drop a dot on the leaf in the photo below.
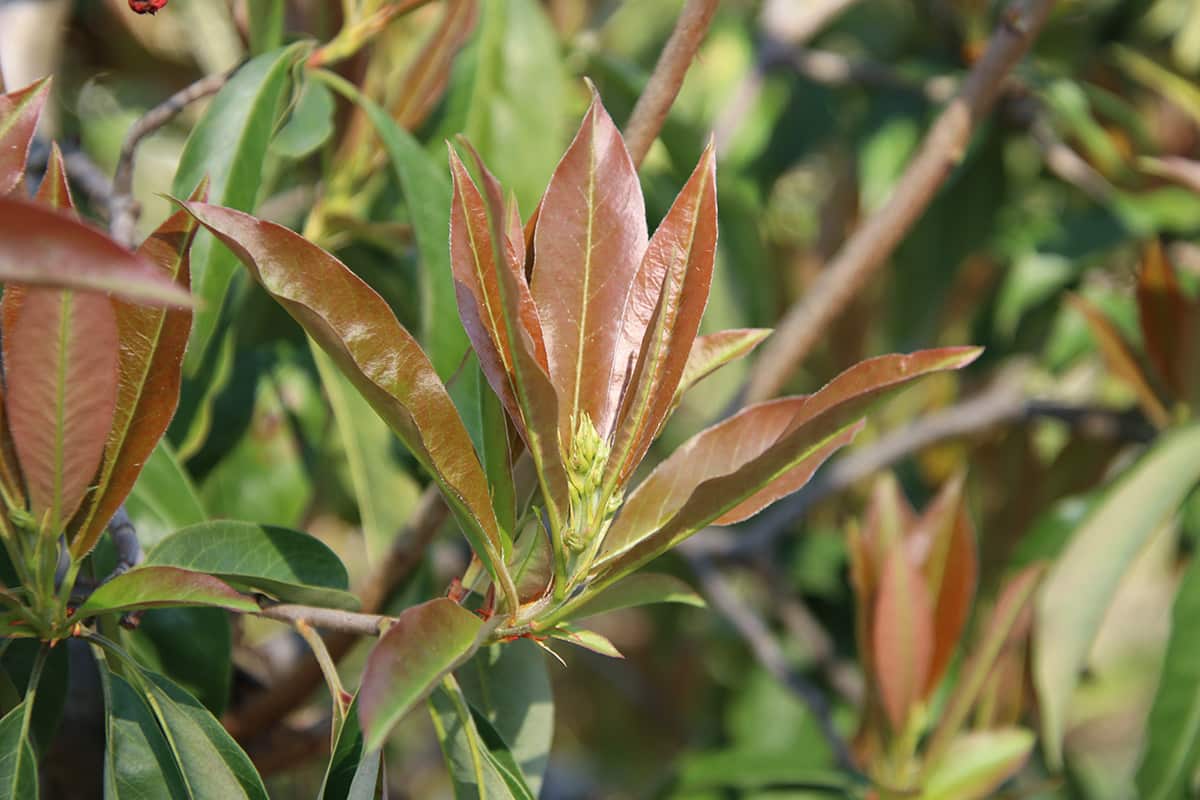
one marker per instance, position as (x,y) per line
(148,377)
(1120,359)
(163,499)
(40,246)
(356,328)
(191,646)
(1165,321)
(265,18)
(18,765)
(426,77)
(54,191)
(663,311)
(589,242)
(1172,750)
(1081,584)
(18,661)
(60,358)
(476,771)
(138,761)
(19,114)
(902,638)
(288,565)
(309,125)
(228,146)
(385,492)
(423,645)
(977,763)
(151,587)
(640,589)
(738,474)
(713,351)
(351,774)
(212,763)
(508,686)
(588,640)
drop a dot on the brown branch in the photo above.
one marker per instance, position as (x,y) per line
(123,210)
(263,711)
(655,101)
(867,250)
(330,619)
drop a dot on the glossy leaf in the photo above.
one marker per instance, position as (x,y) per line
(40,246)
(310,123)
(138,761)
(352,774)
(589,242)
(509,687)
(149,370)
(1079,587)
(163,499)
(354,325)
(150,587)
(685,493)
(191,646)
(228,146)
(1172,751)
(640,589)
(60,358)
(663,311)
(288,565)
(18,662)
(476,770)
(19,114)
(713,351)
(18,765)
(977,763)
(902,638)
(424,644)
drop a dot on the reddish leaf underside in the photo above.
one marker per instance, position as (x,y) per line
(19,114)
(1165,321)
(425,80)
(355,326)
(61,370)
(149,373)
(588,243)
(663,311)
(424,643)
(902,637)
(40,246)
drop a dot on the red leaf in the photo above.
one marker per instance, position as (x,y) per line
(149,372)
(589,241)
(902,637)
(425,80)
(61,369)
(54,190)
(43,247)
(19,114)
(663,311)
(159,587)
(1165,321)
(1121,360)
(713,351)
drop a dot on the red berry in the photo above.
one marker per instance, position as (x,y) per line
(146,6)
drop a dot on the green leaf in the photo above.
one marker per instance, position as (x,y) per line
(18,765)
(354,325)
(191,646)
(40,246)
(477,770)
(1080,586)
(19,114)
(385,491)
(154,586)
(309,125)
(18,663)
(426,189)
(60,359)
(229,145)
(640,589)
(1172,752)
(163,499)
(424,644)
(509,687)
(289,565)
(138,761)
(266,24)
(588,640)
(977,763)
(351,774)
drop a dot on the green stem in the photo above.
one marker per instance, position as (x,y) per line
(35,677)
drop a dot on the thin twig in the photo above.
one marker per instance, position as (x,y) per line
(867,250)
(263,711)
(770,656)
(834,69)
(656,99)
(123,209)
(330,619)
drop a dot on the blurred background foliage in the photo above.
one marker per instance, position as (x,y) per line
(1058,195)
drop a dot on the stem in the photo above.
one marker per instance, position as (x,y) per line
(35,677)
(340,702)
